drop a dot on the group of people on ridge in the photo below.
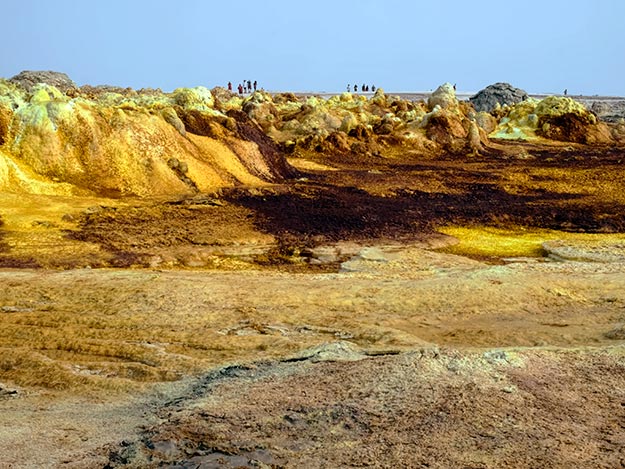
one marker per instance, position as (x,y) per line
(246,87)
(363,88)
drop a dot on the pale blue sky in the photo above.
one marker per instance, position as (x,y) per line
(400,45)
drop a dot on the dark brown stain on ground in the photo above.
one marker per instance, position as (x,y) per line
(400,200)
(329,206)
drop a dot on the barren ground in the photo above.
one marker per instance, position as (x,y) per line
(398,312)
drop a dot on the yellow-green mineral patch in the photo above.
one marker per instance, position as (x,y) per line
(488,242)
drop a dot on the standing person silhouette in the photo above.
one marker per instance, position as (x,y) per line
(229,86)
(355,88)
(349,88)
(255,83)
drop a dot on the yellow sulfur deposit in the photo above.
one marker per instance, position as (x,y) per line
(133,144)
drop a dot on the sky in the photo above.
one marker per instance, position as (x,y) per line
(322,45)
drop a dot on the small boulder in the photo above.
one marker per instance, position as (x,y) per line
(499,94)
(385,126)
(264,113)
(172,118)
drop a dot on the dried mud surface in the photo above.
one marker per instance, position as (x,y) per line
(325,322)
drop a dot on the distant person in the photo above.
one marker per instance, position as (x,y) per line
(355,88)
(454,87)
(349,88)
(363,88)
(373,88)
(229,86)
(240,88)
(249,86)
(255,84)
(566,91)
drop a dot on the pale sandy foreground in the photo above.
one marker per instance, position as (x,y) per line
(405,358)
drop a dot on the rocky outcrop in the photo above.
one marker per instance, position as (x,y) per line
(28,79)
(574,123)
(555,118)
(499,94)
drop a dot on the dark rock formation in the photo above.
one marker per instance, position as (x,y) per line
(28,79)
(499,93)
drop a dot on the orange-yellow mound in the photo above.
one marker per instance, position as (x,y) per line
(126,144)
